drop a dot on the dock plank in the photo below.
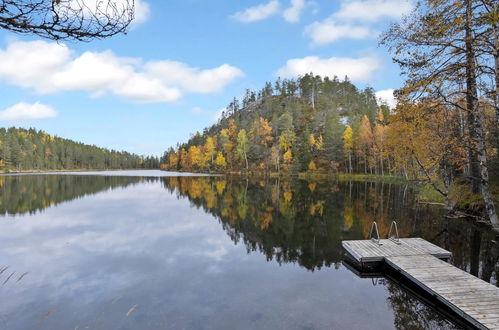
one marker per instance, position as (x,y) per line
(420,261)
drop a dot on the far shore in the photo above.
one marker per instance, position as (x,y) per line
(76,170)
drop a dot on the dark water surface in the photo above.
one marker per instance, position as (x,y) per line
(135,251)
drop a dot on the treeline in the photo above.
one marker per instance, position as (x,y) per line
(29,149)
(312,123)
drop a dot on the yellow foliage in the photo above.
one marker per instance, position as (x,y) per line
(220,160)
(288,196)
(311,186)
(195,156)
(348,216)
(266,220)
(311,166)
(348,139)
(317,208)
(288,156)
(419,140)
(312,140)
(209,149)
(224,133)
(220,186)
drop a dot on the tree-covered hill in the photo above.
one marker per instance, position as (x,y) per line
(316,124)
(29,149)
(312,123)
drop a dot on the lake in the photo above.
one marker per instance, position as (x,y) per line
(159,250)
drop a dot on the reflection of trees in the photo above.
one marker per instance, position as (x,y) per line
(300,221)
(305,222)
(30,193)
(412,313)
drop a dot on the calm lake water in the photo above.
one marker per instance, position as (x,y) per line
(155,250)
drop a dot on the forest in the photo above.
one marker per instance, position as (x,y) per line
(31,150)
(444,130)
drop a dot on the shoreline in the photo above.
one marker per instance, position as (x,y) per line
(76,170)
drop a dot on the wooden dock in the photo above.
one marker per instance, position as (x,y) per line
(420,262)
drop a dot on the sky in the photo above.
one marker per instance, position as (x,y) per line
(182,61)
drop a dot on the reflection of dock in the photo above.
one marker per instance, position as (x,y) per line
(419,261)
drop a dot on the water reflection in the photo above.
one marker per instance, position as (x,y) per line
(305,222)
(31,193)
(142,254)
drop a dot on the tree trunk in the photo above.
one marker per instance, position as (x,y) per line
(382,166)
(496,99)
(350,163)
(246,160)
(477,130)
(496,60)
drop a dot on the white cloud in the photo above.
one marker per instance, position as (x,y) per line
(386,97)
(355,20)
(329,31)
(102,73)
(27,111)
(357,69)
(193,79)
(258,13)
(292,14)
(141,12)
(373,10)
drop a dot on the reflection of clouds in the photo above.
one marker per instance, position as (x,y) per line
(132,229)
(94,258)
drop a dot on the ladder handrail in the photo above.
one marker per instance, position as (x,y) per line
(395,238)
(374,226)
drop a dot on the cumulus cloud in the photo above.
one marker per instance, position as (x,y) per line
(373,10)
(357,69)
(329,31)
(102,73)
(258,13)
(141,12)
(193,79)
(26,111)
(355,20)
(386,97)
(292,14)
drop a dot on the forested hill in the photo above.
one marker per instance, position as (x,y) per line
(29,149)
(291,125)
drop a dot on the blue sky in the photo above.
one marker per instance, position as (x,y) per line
(182,61)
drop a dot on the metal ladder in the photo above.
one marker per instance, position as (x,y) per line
(394,238)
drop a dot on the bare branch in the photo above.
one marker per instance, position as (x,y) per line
(80,20)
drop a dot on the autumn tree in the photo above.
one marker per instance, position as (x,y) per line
(423,147)
(348,146)
(242,146)
(209,149)
(438,48)
(365,143)
(220,160)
